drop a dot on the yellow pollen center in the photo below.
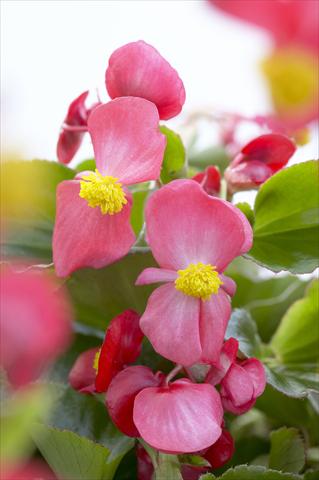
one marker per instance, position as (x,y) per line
(96,360)
(104,192)
(198,280)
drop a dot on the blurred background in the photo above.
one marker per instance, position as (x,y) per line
(53,50)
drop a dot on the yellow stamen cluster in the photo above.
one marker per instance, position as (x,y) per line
(104,192)
(198,280)
(96,360)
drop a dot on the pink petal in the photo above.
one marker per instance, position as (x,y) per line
(237,386)
(155,275)
(122,345)
(121,395)
(214,316)
(33,470)
(228,285)
(171,322)
(227,358)
(126,140)
(272,149)
(185,225)
(82,375)
(83,236)
(181,417)
(229,406)
(138,70)
(247,175)
(35,324)
(256,372)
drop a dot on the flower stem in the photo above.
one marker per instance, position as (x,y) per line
(173,373)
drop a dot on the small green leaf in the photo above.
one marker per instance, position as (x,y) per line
(174,155)
(88,164)
(297,337)
(242,327)
(287,452)
(247,211)
(286,224)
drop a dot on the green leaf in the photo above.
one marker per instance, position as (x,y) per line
(174,155)
(243,328)
(286,225)
(297,337)
(137,212)
(100,295)
(295,381)
(168,467)
(18,413)
(28,199)
(247,211)
(88,164)
(266,300)
(287,452)
(244,472)
(73,457)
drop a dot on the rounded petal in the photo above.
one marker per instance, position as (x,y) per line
(247,175)
(179,418)
(82,375)
(272,149)
(237,389)
(221,451)
(122,345)
(210,180)
(227,358)
(228,285)
(171,323)
(35,324)
(83,236)
(185,225)
(214,316)
(126,140)
(256,372)
(138,70)
(155,275)
(121,395)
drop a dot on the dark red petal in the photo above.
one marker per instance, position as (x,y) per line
(209,180)
(82,375)
(121,395)
(221,451)
(122,346)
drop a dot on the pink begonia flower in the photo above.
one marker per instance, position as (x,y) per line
(258,160)
(210,180)
(288,21)
(137,69)
(92,227)
(94,369)
(241,381)
(34,470)
(77,116)
(35,324)
(165,415)
(193,237)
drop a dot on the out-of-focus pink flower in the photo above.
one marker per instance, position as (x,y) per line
(70,139)
(137,69)
(34,470)
(121,395)
(258,160)
(193,237)
(209,180)
(288,21)
(241,381)
(221,451)
(35,324)
(92,226)
(95,368)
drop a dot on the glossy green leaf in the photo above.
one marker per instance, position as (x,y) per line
(244,472)
(137,212)
(28,202)
(247,211)
(295,380)
(242,327)
(287,452)
(88,164)
(100,295)
(174,155)
(286,224)
(297,337)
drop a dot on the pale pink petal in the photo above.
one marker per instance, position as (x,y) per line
(155,275)
(237,386)
(227,358)
(138,70)
(247,175)
(181,417)
(171,322)
(126,140)
(256,372)
(228,285)
(83,236)
(185,225)
(214,316)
